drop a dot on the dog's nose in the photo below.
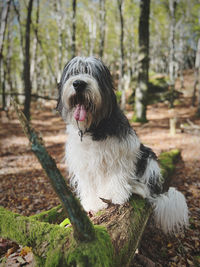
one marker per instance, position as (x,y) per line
(79,85)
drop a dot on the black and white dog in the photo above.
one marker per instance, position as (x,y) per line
(104,156)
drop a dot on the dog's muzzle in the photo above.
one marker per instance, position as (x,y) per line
(80,112)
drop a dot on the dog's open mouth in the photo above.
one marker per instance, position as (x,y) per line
(81,105)
(80,112)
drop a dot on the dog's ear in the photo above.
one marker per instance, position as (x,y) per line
(59,106)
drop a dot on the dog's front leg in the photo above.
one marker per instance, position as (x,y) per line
(92,203)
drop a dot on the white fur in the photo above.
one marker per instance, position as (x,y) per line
(171,211)
(102,169)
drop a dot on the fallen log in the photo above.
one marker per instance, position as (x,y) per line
(117,231)
(190,127)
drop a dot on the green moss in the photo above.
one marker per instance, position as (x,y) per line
(54,215)
(99,213)
(96,253)
(39,261)
(55,245)
(141,120)
(158,83)
(3,261)
(118,95)
(138,203)
(54,258)
(177,102)
(196,260)
(29,232)
(167,161)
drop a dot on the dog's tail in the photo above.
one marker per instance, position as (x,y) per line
(170,211)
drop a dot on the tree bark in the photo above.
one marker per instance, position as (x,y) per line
(172,67)
(181,60)
(8,61)
(143,60)
(18,82)
(60,26)
(27,78)
(73,49)
(4,19)
(20,27)
(102,21)
(197,79)
(34,61)
(122,65)
(92,34)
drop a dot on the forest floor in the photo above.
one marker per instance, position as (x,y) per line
(25,189)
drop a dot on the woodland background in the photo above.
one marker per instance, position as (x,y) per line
(37,38)
(41,36)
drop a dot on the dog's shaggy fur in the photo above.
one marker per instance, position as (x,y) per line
(104,156)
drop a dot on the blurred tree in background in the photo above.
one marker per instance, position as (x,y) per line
(61,29)
(143,60)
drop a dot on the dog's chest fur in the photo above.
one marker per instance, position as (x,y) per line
(103,168)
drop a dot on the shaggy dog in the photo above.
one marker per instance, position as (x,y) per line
(104,156)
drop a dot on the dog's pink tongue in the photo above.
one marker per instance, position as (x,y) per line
(80,113)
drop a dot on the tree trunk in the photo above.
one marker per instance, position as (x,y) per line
(4,19)
(121,66)
(20,27)
(181,60)
(60,26)
(143,60)
(27,78)
(92,34)
(197,66)
(197,78)
(8,60)
(3,90)
(34,62)
(172,70)
(73,52)
(102,20)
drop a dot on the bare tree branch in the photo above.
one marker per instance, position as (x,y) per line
(83,228)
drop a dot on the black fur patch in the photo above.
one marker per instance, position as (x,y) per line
(116,125)
(147,153)
(155,188)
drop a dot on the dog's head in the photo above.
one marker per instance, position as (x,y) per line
(86,92)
